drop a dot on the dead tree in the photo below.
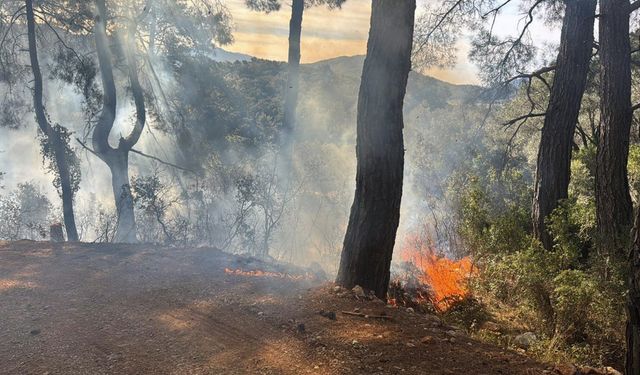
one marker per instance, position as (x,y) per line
(55,141)
(117,158)
(613,201)
(375,214)
(554,153)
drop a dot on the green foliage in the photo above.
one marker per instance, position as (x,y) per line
(468,311)
(25,213)
(570,295)
(634,171)
(153,199)
(51,149)
(227,107)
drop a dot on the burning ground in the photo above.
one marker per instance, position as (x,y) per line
(105,309)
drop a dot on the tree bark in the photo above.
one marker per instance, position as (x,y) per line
(613,201)
(54,139)
(293,81)
(632,365)
(295,35)
(554,153)
(371,233)
(126,226)
(117,159)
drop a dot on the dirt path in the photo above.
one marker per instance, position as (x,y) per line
(107,309)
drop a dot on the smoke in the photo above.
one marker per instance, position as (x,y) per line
(237,195)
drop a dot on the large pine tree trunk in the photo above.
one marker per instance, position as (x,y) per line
(633,307)
(371,233)
(291,96)
(54,139)
(554,154)
(613,202)
(119,166)
(293,83)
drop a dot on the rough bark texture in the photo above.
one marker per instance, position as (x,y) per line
(117,159)
(633,307)
(291,97)
(613,202)
(53,138)
(119,166)
(554,154)
(371,233)
(293,83)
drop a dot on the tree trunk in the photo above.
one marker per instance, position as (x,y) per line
(118,163)
(117,158)
(66,189)
(554,154)
(291,95)
(633,306)
(371,233)
(613,201)
(55,140)
(293,83)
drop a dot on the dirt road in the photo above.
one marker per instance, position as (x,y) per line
(115,309)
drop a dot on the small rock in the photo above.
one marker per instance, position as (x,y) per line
(377,300)
(587,370)
(337,289)
(358,291)
(426,340)
(564,369)
(329,314)
(301,328)
(491,326)
(454,333)
(354,342)
(525,340)
(35,332)
(611,371)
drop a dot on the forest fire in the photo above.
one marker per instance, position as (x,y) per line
(260,273)
(445,278)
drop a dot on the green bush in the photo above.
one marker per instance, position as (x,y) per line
(572,297)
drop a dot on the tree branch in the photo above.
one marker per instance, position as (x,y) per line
(162,161)
(523,118)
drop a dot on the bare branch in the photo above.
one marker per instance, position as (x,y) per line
(162,161)
(523,118)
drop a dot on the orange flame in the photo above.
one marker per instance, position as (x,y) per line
(260,273)
(446,277)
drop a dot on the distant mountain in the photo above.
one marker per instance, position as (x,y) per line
(222,55)
(329,94)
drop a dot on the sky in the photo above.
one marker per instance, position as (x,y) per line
(343,32)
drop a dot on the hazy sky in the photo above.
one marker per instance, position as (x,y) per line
(343,32)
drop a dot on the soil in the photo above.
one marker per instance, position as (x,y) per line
(122,309)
